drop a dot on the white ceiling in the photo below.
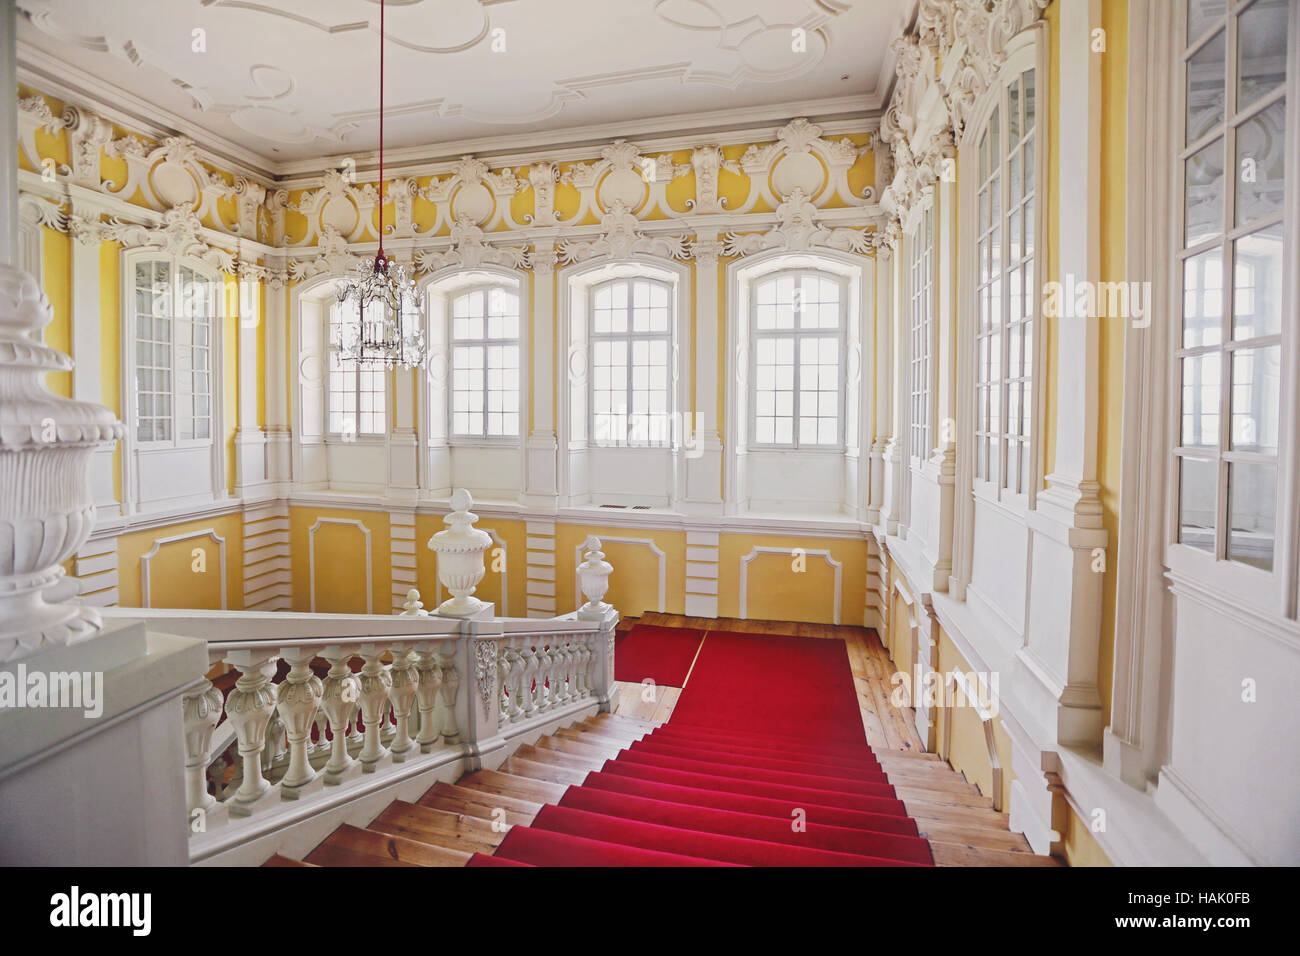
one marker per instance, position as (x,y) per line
(287,80)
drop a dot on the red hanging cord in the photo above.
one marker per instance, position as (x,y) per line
(380,254)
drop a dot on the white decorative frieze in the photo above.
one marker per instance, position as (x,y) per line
(620,238)
(469,250)
(797,229)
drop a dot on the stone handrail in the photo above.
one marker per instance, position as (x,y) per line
(303,730)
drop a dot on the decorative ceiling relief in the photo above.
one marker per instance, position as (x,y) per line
(969,37)
(262,76)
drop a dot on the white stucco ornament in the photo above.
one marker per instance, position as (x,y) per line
(593,573)
(46,507)
(460,548)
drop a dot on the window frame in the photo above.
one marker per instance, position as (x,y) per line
(1245,585)
(668,336)
(840,334)
(330,350)
(922,289)
(1028,58)
(452,342)
(214,345)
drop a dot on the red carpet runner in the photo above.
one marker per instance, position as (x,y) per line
(662,654)
(763,763)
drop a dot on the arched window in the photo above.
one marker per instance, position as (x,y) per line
(174,309)
(357,394)
(1006,290)
(630,336)
(485,363)
(797,320)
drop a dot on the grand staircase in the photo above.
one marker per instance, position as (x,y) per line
(625,789)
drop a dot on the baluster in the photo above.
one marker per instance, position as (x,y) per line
(297,705)
(275,742)
(518,676)
(527,692)
(342,690)
(376,682)
(588,655)
(202,712)
(249,708)
(322,741)
(564,655)
(545,677)
(504,664)
(426,693)
(450,688)
(402,697)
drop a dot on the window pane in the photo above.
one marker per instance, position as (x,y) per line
(1257,284)
(1204,202)
(1201,15)
(1260,169)
(1203,299)
(1261,50)
(1197,482)
(1205,73)
(1256,399)
(1201,392)
(1252,504)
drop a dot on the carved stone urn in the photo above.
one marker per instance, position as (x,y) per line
(460,548)
(593,574)
(46,506)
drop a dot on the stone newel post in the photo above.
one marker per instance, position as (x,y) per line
(46,507)
(460,550)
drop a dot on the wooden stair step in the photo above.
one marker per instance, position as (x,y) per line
(381,849)
(546,772)
(925,794)
(452,831)
(953,854)
(479,803)
(556,759)
(973,836)
(578,748)
(513,785)
(965,816)
(279,860)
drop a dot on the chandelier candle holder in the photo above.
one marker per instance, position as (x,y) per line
(460,548)
(382,323)
(46,505)
(593,574)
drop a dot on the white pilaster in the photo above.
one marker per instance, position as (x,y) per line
(250,439)
(268,580)
(541,449)
(700,426)
(702,573)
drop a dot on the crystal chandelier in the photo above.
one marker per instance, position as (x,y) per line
(382,321)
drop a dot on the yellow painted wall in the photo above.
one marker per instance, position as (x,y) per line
(1077,842)
(57,265)
(175,580)
(777,592)
(339,565)
(634,585)
(969,753)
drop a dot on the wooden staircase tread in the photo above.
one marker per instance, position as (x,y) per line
(442,828)
(954,854)
(479,799)
(385,847)
(510,784)
(546,772)
(280,860)
(946,781)
(556,759)
(910,791)
(973,836)
(966,816)
(577,748)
